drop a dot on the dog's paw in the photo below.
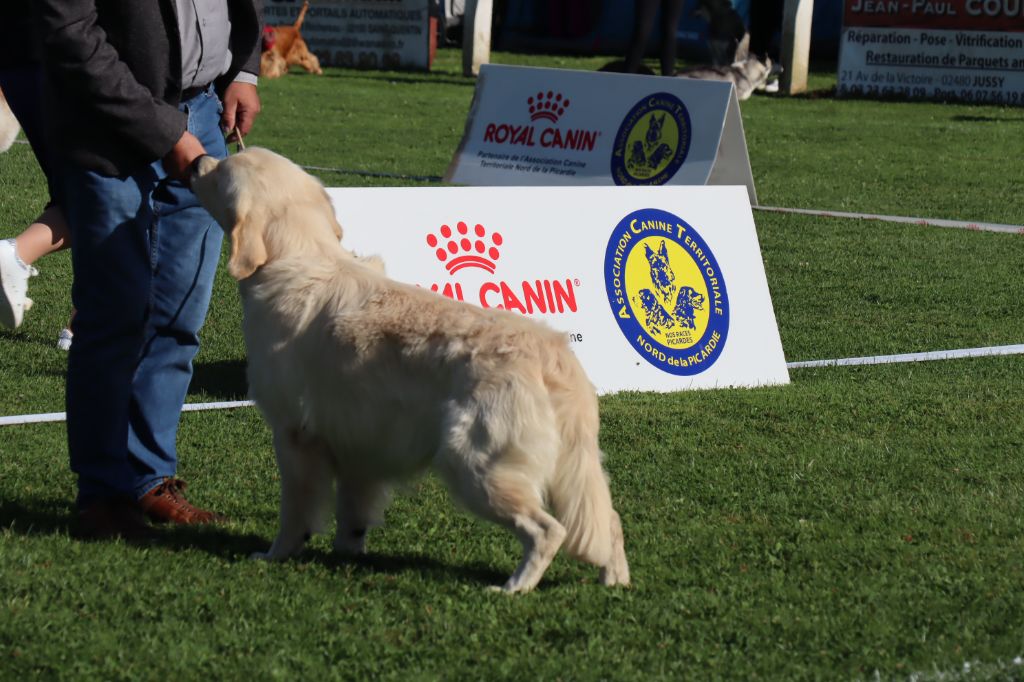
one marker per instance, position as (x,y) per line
(510,587)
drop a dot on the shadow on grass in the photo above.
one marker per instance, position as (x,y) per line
(986,119)
(224,379)
(48,344)
(394,564)
(47,517)
(56,517)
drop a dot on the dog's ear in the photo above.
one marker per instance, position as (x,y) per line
(248,249)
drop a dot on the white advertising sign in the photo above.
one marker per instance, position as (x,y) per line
(966,50)
(533,126)
(658,288)
(367,34)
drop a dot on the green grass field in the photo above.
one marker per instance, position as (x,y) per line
(859,523)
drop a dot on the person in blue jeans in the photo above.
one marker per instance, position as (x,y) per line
(139,91)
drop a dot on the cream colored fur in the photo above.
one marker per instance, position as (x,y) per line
(366,381)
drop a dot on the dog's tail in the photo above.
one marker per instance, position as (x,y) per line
(302,16)
(579,494)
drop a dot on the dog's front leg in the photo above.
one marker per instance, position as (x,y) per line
(305,482)
(358,507)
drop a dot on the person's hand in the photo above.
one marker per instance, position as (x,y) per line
(178,161)
(241,105)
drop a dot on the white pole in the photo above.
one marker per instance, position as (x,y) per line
(796,45)
(476,36)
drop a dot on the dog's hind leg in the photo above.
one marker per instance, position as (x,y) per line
(541,535)
(510,498)
(616,571)
(305,483)
(358,507)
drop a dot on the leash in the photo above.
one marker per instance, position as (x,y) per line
(239,145)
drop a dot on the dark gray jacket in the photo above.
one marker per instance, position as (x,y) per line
(114,77)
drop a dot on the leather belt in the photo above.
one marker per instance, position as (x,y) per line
(189,93)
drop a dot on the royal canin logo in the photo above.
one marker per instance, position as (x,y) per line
(548,106)
(463,248)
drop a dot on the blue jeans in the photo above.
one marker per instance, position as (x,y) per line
(144,258)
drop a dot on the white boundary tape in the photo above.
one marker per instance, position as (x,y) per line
(913,357)
(61,416)
(928,222)
(841,362)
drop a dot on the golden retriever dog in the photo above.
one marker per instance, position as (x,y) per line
(365,382)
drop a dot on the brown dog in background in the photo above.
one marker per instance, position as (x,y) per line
(283,46)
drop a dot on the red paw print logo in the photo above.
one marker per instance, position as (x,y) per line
(461,248)
(549,105)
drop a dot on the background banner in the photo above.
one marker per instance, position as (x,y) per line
(366,34)
(967,50)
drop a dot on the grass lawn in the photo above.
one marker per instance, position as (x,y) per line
(859,522)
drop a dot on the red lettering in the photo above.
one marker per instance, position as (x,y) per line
(565,297)
(534,297)
(510,300)
(487,288)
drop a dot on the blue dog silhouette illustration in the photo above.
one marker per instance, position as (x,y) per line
(637,159)
(688,301)
(666,305)
(658,155)
(656,318)
(662,275)
(653,136)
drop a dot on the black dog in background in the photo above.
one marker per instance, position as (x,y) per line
(727,34)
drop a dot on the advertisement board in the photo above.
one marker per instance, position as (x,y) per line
(367,34)
(963,50)
(657,288)
(535,126)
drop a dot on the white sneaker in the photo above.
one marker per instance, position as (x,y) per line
(64,340)
(14,276)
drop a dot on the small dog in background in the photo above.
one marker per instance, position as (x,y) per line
(728,38)
(9,126)
(747,76)
(366,382)
(284,47)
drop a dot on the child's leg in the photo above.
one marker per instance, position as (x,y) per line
(49,233)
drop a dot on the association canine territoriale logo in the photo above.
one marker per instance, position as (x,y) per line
(667,292)
(652,141)
(550,105)
(467,249)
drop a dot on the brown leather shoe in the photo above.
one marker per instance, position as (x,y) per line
(112,517)
(166,503)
